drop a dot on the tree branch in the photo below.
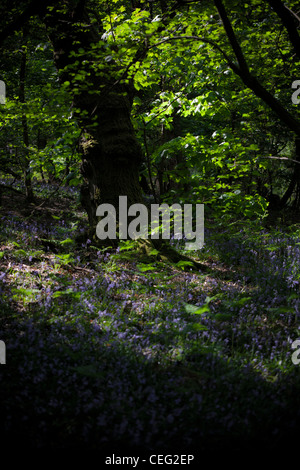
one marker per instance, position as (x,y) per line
(281,158)
(250,80)
(286,17)
(196,38)
(232,37)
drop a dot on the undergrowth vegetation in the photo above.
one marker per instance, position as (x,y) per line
(105,350)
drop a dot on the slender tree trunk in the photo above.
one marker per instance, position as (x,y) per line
(40,145)
(26,159)
(295,180)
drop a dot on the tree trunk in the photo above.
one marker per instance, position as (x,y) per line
(111,155)
(26,159)
(295,180)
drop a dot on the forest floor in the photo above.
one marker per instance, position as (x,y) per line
(106,351)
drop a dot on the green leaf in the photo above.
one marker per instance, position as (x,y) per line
(67,241)
(27,294)
(128,245)
(21,252)
(215,297)
(195,310)
(68,292)
(75,182)
(65,259)
(183,264)
(280,309)
(199,327)
(154,252)
(145,267)
(241,301)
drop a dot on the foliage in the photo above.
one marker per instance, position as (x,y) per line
(206,136)
(53,135)
(116,347)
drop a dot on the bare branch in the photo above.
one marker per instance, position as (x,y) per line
(281,158)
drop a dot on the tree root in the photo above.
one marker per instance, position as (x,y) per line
(158,250)
(149,251)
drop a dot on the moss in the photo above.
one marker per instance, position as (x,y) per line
(87,142)
(152,250)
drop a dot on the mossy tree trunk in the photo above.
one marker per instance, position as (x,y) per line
(111,155)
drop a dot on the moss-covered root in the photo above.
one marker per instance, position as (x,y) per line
(152,250)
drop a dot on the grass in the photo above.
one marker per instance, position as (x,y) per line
(106,352)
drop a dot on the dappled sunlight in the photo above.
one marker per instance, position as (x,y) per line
(149,227)
(114,349)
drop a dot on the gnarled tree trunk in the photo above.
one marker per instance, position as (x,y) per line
(111,155)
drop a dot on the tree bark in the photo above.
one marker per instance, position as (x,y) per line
(111,155)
